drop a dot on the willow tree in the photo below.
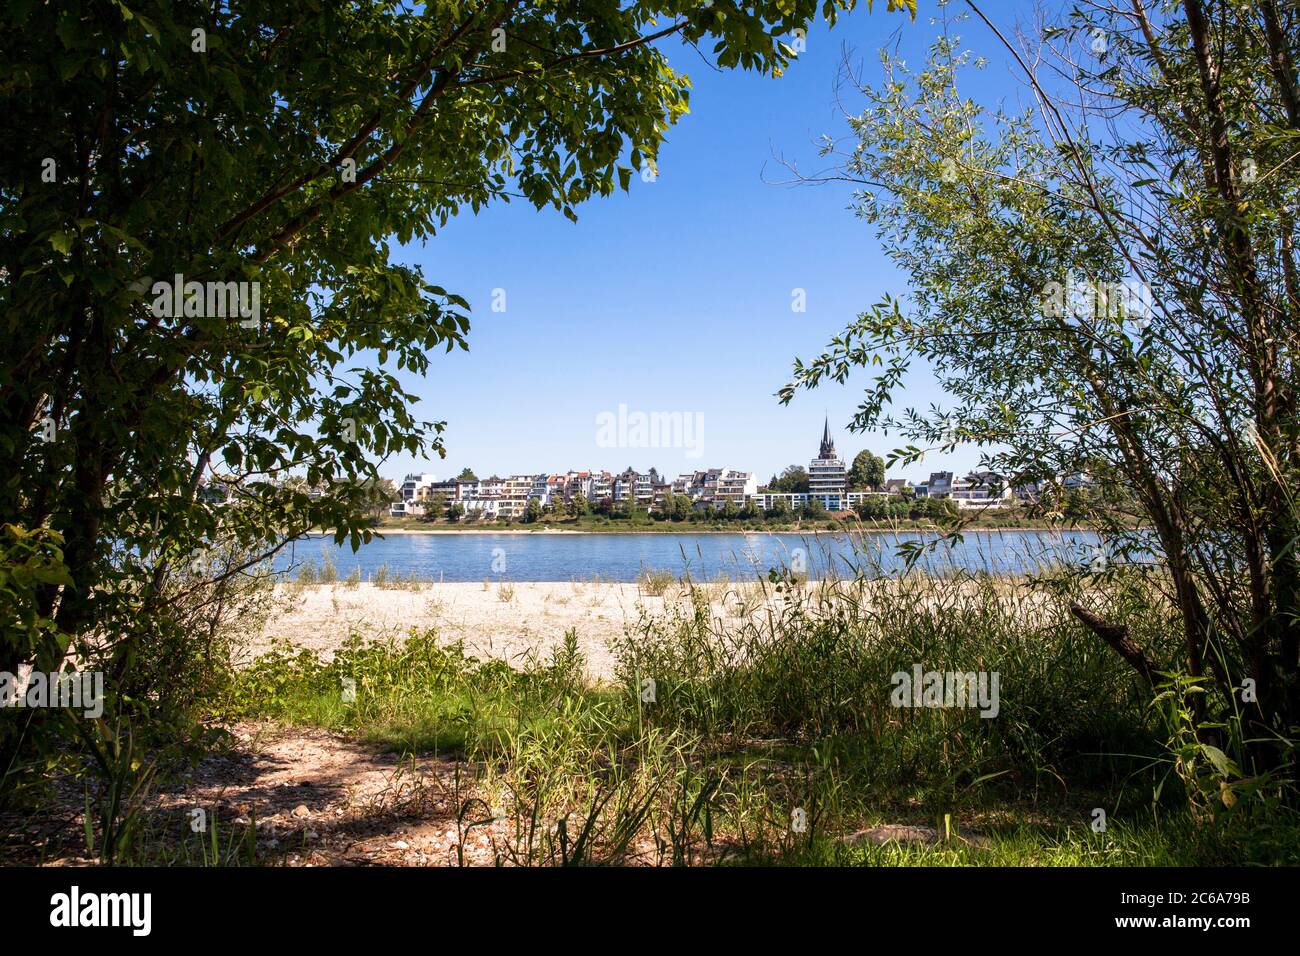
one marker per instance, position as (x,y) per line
(1106,283)
(198,204)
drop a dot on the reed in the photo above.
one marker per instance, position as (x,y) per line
(771,736)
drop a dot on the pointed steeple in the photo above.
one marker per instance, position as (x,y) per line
(828,446)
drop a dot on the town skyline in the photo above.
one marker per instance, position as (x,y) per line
(644,459)
(827,486)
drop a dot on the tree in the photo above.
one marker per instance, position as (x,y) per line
(872,508)
(532,510)
(467,474)
(455,512)
(374,495)
(382,493)
(579,506)
(197,213)
(436,508)
(794,480)
(867,472)
(1113,279)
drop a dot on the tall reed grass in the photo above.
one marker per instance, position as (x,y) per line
(743,706)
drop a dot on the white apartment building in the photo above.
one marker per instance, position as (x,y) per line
(602,486)
(828,479)
(481,496)
(939,485)
(733,486)
(982,489)
(414,491)
(717,486)
(767,500)
(479,488)
(636,486)
(411,485)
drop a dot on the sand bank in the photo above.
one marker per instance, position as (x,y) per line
(508,622)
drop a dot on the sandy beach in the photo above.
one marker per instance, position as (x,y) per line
(859,528)
(507,622)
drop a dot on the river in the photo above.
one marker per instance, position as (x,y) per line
(474,556)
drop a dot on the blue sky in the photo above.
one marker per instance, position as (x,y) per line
(676,297)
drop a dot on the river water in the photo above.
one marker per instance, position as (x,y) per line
(474,556)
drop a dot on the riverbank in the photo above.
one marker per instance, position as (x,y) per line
(688,726)
(500,621)
(689,529)
(721,726)
(523,623)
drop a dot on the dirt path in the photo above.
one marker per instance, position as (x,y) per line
(312,797)
(320,799)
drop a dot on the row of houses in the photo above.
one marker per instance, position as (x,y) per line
(497,497)
(509,497)
(708,488)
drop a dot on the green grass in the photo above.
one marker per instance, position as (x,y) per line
(789,709)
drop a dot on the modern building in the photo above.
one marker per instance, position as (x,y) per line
(828,479)
(982,489)
(481,497)
(939,485)
(636,486)
(733,486)
(717,486)
(1076,481)
(411,485)
(602,487)
(768,500)
(415,493)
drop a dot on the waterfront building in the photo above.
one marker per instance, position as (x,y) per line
(415,492)
(939,485)
(828,478)
(717,486)
(636,486)
(982,489)
(602,487)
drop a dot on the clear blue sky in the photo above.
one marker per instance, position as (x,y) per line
(676,297)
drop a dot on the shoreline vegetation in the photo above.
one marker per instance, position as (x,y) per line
(507,529)
(680,722)
(831,526)
(671,721)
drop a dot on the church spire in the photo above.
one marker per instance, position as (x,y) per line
(828,446)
